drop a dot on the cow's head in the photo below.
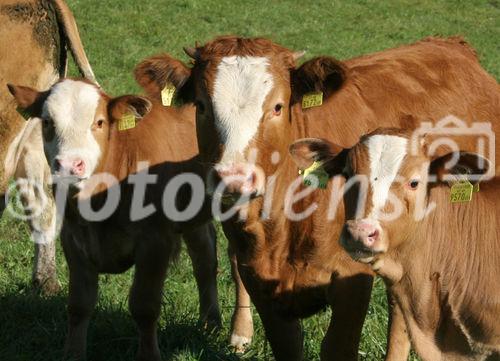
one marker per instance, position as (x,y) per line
(77,121)
(398,176)
(243,90)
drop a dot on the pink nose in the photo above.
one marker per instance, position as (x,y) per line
(363,232)
(238,178)
(73,166)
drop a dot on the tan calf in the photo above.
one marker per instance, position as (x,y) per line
(440,259)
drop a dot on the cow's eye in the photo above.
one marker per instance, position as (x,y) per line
(413,184)
(277,109)
(100,123)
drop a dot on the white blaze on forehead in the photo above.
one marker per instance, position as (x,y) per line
(241,85)
(72,106)
(386,152)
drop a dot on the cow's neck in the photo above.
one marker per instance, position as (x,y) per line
(453,265)
(284,244)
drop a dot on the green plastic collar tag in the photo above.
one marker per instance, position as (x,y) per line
(167,95)
(316,171)
(461,192)
(312,100)
(127,121)
(24,113)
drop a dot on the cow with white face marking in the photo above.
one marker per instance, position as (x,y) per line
(75,142)
(252,101)
(439,258)
(126,150)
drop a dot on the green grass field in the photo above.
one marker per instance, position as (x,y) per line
(117,35)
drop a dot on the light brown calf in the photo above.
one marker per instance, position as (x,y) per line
(98,157)
(253,101)
(439,259)
(40,31)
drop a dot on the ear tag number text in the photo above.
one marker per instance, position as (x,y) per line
(126,122)
(461,192)
(312,100)
(167,95)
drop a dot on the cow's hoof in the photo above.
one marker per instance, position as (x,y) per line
(240,343)
(47,287)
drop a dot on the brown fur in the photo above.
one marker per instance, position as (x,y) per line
(442,270)
(461,320)
(292,269)
(152,75)
(39,30)
(163,137)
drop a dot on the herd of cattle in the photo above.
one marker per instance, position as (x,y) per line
(249,126)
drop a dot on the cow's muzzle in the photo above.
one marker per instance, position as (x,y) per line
(238,179)
(362,239)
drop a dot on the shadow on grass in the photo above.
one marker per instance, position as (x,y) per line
(34,328)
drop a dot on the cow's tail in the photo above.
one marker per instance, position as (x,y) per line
(72,36)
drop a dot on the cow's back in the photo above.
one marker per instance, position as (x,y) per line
(402,87)
(30,46)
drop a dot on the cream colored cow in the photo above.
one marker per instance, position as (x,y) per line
(41,32)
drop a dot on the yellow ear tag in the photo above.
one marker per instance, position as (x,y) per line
(167,95)
(127,121)
(23,113)
(461,192)
(310,100)
(315,171)
(476,187)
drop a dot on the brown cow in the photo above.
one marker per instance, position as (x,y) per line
(94,142)
(40,31)
(249,94)
(440,259)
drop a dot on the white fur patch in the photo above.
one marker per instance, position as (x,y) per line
(240,343)
(72,106)
(386,152)
(242,83)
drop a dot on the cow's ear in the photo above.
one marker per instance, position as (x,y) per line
(129,104)
(306,151)
(461,166)
(156,72)
(321,74)
(29,100)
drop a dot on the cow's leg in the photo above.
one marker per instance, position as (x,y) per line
(283,333)
(398,341)
(349,297)
(2,204)
(202,248)
(44,275)
(33,179)
(241,322)
(152,257)
(83,281)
